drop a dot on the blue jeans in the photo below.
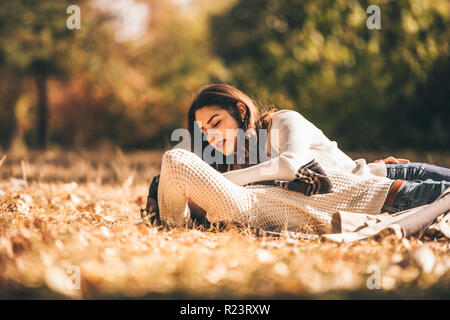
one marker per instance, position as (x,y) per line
(425,182)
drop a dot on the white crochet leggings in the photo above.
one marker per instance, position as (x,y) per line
(186,176)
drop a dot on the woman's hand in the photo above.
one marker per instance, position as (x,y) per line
(392,160)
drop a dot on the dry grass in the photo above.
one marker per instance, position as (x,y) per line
(82,209)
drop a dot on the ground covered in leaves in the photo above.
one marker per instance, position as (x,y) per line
(70,228)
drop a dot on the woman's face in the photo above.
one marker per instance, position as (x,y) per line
(219,127)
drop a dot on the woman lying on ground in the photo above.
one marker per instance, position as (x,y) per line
(226,192)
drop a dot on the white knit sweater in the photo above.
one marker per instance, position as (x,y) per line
(186,176)
(294,141)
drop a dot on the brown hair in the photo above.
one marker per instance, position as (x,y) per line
(226,97)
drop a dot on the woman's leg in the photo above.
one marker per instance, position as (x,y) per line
(417,171)
(417,193)
(185,176)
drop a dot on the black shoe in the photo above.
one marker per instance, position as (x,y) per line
(150,215)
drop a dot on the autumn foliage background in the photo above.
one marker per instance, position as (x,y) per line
(126,77)
(79,110)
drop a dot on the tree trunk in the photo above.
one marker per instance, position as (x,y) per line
(40,76)
(10,91)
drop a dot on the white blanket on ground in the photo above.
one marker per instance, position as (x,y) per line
(363,226)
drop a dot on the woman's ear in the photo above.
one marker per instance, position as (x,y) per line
(242,109)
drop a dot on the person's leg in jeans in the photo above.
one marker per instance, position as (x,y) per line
(424,183)
(417,172)
(417,193)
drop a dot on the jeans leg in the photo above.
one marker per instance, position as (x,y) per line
(417,193)
(417,171)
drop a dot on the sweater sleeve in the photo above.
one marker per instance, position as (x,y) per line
(294,139)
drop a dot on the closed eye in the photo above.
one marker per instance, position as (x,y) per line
(215,125)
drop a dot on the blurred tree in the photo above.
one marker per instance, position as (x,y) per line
(100,86)
(368,89)
(32,35)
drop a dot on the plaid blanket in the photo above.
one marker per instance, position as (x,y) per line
(310,179)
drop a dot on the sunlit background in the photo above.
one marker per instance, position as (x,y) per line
(125,79)
(85,116)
